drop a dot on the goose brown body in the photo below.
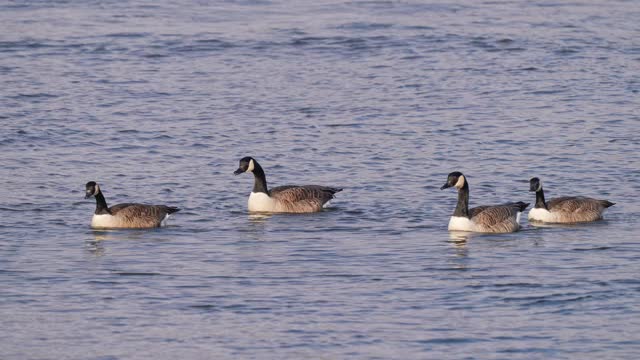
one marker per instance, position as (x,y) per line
(301,199)
(502,218)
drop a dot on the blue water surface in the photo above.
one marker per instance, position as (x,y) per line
(158,100)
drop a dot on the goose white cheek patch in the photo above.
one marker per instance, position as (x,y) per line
(460,182)
(251,166)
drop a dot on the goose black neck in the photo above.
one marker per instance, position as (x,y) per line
(540,203)
(101,204)
(462,208)
(260,182)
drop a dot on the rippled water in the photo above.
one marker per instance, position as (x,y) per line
(158,101)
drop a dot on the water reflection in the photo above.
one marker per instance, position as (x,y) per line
(95,248)
(257,225)
(96,245)
(258,267)
(119,234)
(458,241)
(257,218)
(459,238)
(537,224)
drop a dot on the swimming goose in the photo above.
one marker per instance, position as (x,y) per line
(126,216)
(283,199)
(487,219)
(566,209)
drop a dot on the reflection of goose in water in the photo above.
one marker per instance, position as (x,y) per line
(259,217)
(459,238)
(487,219)
(566,209)
(96,247)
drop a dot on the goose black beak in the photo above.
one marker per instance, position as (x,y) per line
(445,186)
(237,172)
(86,196)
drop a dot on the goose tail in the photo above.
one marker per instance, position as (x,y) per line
(521,205)
(172,209)
(607,203)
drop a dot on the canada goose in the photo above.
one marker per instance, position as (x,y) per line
(283,199)
(487,219)
(566,209)
(126,216)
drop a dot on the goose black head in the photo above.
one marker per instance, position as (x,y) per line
(535,184)
(247,164)
(454,179)
(91,189)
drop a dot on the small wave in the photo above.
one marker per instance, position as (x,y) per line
(350,125)
(130,273)
(33,96)
(208,307)
(551,299)
(418,27)
(452,340)
(566,51)
(546,92)
(506,285)
(22,45)
(6,69)
(600,248)
(203,45)
(128,35)
(364,26)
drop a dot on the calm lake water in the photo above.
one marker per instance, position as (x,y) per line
(157,102)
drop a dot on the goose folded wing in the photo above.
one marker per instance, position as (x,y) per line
(492,215)
(571,204)
(292,193)
(139,213)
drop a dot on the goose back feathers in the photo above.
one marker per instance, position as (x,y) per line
(308,198)
(566,209)
(128,215)
(502,218)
